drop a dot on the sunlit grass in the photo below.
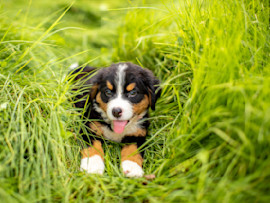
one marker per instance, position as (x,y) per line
(209,136)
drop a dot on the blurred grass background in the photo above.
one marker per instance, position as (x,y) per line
(209,136)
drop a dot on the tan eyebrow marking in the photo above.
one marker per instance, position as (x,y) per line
(131,86)
(109,85)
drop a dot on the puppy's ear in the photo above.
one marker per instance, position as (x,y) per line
(94,90)
(153,88)
(154,93)
(85,83)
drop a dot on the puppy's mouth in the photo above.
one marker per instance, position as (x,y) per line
(119,126)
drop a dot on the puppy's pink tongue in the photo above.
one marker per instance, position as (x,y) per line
(119,126)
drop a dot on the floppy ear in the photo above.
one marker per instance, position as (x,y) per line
(154,93)
(84,84)
(153,87)
(93,91)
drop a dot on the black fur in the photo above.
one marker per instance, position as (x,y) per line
(90,81)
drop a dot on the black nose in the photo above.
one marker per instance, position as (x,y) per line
(117,112)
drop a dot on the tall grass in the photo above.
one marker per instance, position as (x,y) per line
(209,136)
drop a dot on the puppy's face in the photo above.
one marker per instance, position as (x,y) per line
(124,91)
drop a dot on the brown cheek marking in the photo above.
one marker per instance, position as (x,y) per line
(96,127)
(102,105)
(93,91)
(109,85)
(96,149)
(130,153)
(141,106)
(140,133)
(130,86)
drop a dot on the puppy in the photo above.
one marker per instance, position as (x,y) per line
(116,99)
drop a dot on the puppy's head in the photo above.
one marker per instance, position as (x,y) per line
(123,91)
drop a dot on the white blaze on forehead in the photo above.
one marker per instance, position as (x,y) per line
(120,79)
(125,105)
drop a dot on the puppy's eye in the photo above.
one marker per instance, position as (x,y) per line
(132,93)
(108,92)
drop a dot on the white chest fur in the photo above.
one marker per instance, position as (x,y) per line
(132,127)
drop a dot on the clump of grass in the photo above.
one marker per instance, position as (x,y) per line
(213,59)
(208,138)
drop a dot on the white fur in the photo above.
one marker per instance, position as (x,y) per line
(119,102)
(127,110)
(120,79)
(125,105)
(93,164)
(132,127)
(132,169)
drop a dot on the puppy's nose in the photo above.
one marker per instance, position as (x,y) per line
(117,112)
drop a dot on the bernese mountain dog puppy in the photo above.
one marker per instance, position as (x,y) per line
(115,101)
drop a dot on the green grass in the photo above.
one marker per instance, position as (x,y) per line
(209,136)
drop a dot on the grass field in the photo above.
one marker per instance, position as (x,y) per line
(210,134)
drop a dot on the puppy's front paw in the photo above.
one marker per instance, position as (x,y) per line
(93,164)
(131,169)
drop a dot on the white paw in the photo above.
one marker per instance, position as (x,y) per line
(93,164)
(132,169)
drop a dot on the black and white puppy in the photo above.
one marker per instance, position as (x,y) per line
(116,99)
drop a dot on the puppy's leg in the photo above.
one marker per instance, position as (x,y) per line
(93,158)
(131,161)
